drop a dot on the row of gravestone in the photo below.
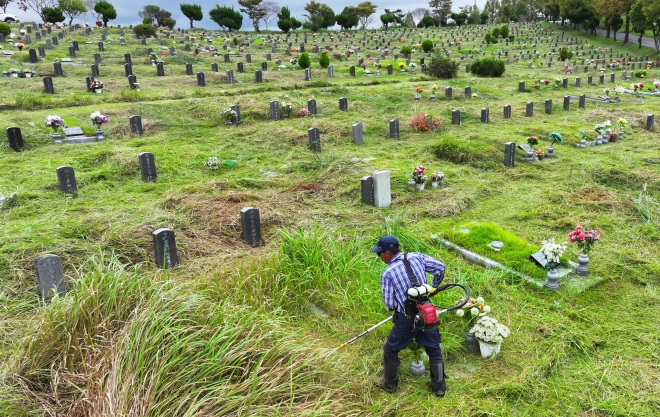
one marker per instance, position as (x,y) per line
(50,273)
(17,143)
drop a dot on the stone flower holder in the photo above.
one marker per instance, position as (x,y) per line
(582,269)
(552,279)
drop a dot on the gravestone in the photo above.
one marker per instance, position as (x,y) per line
(548,106)
(76,47)
(132,80)
(88,81)
(50,275)
(72,52)
(601,78)
(448,92)
(189,68)
(456,117)
(48,85)
(314,139)
(612,78)
(127,58)
(147,166)
(214,67)
(94,69)
(367,190)
(331,71)
(33,56)
(311,106)
(97,58)
(275,110)
(28,39)
(248,58)
(351,71)
(382,190)
(650,120)
(582,101)
(101,47)
(237,109)
(160,69)
(226,58)
(136,124)
(239,67)
(343,104)
(165,254)
(507,111)
(201,81)
(468,92)
(49,44)
(394,129)
(258,77)
(567,102)
(230,77)
(268,57)
(577,81)
(485,115)
(467,67)
(38,36)
(390,69)
(358,134)
(564,82)
(590,79)
(57,68)
(66,180)
(509,154)
(251,226)
(15,138)
(264,66)
(308,74)
(529,109)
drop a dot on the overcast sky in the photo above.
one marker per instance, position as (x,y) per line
(127,11)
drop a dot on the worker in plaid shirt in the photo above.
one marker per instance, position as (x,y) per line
(394,283)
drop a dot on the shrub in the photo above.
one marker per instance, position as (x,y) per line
(324,60)
(5,29)
(144,30)
(424,122)
(504,31)
(235,41)
(488,67)
(442,67)
(406,50)
(462,151)
(496,33)
(168,22)
(304,61)
(427,45)
(147,21)
(565,54)
(511,38)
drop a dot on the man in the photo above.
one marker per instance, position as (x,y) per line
(395,282)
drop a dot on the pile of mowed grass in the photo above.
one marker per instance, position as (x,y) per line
(462,151)
(128,341)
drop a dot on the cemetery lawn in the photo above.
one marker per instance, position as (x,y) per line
(240,331)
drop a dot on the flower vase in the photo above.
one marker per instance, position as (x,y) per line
(412,71)
(551,151)
(434,184)
(56,136)
(418,97)
(530,155)
(285,114)
(599,140)
(471,343)
(621,133)
(417,368)
(99,134)
(411,181)
(552,279)
(489,350)
(377,73)
(419,187)
(582,269)
(556,86)
(98,90)
(432,98)
(583,143)
(540,157)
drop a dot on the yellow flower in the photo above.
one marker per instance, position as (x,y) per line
(402,64)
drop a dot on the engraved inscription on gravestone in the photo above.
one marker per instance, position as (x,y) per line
(314,139)
(50,276)
(311,106)
(251,226)
(394,129)
(509,154)
(147,166)
(136,124)
(66,180)
(165,254)
(367,190)
(343,104)
(15,138)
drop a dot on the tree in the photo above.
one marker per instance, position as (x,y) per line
(150,11)
(638,20)
(37,6)
(4,4)
(317,10)
(284,20)
(226,17)
(651,10)
(616,24)
(427,21)
(491,8)
(577,11)
(398,14)
(89,5)
(192,12)
(442,8)
(347,18)
(144,30)
(459,18)
(420,12)
(53,14)
(270,8)
(364,11)
(254,11)
(387,18)
(106,10)
(483,18)
(72,8)
(168,22)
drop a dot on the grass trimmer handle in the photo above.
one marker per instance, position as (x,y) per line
(446,287)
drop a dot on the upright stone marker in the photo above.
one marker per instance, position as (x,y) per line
(101,47)
(66,180)
(314,139)
(468,92)
(94,69)
(650,120)
(358,135)
(50,275)
(15,138)
(136,124)
(57,68)
(275,110)
(485,115)
(529,109)
(331,71)
(165,255)
(507,111)
(189,68)
(548,106)
(567,102)
(521,86)
(367,190)
(160,69)
(394,129)
(311,106)
(456,117)
(382,190)
(509,154)
(48,85)
(201,81)
(582,101)
(33,56)
(258,77)
(147,166)
(343,104)
(578,81)
(448,92)
(251,226)
(127,58)
(214,66)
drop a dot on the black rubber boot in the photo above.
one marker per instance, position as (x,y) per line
(390,380)
(437,368)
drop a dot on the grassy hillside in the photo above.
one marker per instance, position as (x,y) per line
(239,331)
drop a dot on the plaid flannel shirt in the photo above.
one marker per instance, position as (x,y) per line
(394,281)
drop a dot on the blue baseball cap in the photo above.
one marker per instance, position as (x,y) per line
(386,243)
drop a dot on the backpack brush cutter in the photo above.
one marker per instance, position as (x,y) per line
(418,318)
